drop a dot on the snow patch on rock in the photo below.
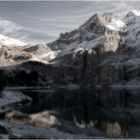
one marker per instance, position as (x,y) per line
(116,25)
(6,41)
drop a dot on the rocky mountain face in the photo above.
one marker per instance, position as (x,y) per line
(105,49)
(102,51)
(13,55)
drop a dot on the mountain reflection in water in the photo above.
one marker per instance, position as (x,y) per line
(101,108)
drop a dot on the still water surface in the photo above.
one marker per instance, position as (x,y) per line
(98,106)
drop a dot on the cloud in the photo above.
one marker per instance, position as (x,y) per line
(35,22)
(14,30)
(8,27)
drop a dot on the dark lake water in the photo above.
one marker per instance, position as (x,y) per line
(100,106)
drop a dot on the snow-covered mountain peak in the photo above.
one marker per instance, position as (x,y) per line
(136,12)
(100,31)
(132,20)
(90,23)
(7,41)
(102,22)
(97,22)
(132,15)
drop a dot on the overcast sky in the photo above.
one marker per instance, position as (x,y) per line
(36,22)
